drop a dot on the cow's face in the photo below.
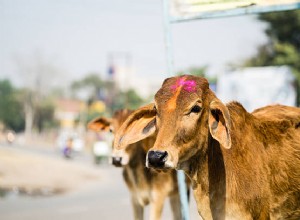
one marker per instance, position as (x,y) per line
(181,120)
(119,157)
(184,113)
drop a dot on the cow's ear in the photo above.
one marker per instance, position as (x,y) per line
(139,125)
(219,123)
(101,124)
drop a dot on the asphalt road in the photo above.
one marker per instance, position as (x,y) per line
(107,198)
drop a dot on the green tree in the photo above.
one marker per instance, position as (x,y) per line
(92,88)
(133,99)
(91,82)
(283,46)
(128,99)
(11,114)
(44,116)
(284,27)
(41,77)
(97,89)
(196,71)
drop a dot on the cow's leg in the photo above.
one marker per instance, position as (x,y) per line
(138,210)
(156,205)
(175,206)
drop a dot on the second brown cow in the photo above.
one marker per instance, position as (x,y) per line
(146,186)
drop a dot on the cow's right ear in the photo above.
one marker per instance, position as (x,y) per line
(101,124)
(138,126)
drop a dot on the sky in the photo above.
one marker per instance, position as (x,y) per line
(78,37)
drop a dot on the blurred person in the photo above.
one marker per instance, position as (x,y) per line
(67,151)
(10,137)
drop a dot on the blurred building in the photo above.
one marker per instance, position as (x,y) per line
(70,115)
(67,112)
(256,87)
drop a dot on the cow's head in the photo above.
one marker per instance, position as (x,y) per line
(184,114)
(120,157)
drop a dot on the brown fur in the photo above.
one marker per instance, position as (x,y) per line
(146,186)
(242,165)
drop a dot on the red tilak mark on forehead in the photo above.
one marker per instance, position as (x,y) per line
(189,85)
(181,83)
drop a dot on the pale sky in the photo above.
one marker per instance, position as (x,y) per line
(76,36)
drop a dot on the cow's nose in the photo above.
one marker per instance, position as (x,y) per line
(117,161)
(157,158)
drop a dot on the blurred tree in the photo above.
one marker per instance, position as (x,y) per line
(92,88)
(128,99)
(28,101)
(91,83)
(41,77)
(11,113)
(196,71)
(133,99)
(283,26)
(283,47)
(44,116)
(95,109)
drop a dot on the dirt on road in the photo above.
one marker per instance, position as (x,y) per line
(37,174)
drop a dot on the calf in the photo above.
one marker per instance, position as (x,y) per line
(242,165)
(146,186)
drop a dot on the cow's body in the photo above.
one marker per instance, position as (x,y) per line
(242,165)
(253,178)
(146,186)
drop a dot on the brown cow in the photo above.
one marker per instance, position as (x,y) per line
(242,165)
(146,186)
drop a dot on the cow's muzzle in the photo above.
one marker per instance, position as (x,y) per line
(117,161)
(157,159)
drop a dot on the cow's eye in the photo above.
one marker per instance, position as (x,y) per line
(155,109)
(195,109)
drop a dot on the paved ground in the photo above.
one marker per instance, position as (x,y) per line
(103,198)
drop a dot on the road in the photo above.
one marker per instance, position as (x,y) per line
(107,198)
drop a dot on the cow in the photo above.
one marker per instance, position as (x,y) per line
(146,186)
(242,165)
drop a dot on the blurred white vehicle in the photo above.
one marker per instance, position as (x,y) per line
(101,151)
(78,144)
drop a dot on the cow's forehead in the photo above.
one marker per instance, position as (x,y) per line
(180,91)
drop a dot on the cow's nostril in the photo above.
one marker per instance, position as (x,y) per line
(117,161)
(157,158)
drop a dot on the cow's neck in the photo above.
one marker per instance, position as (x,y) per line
(207,172)
(227,176)
(136,167)
(138,175)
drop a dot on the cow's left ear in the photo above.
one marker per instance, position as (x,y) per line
(138,126)
(219,123)
(101,124)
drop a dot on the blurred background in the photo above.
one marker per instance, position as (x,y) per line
(63,63)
